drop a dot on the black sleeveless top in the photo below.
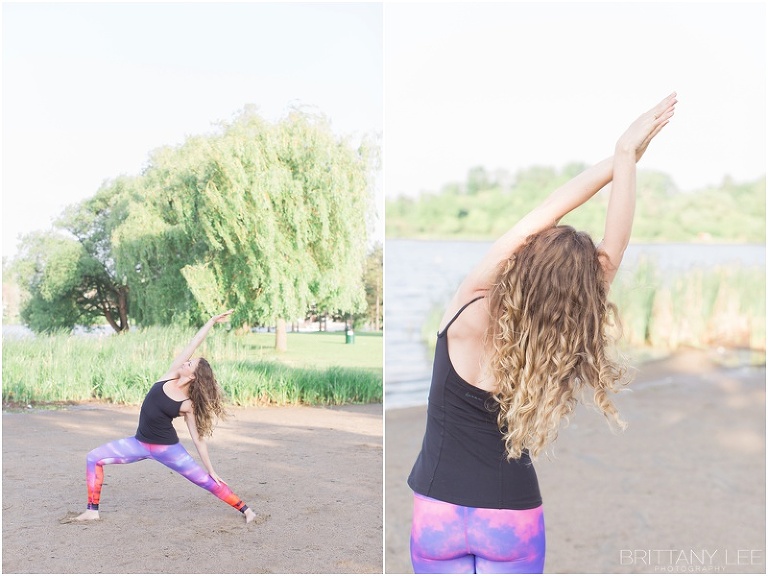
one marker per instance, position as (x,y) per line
(463,459)
(155,418)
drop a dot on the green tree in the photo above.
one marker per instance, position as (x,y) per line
(48,267)
(100,291)
(478,180)
(264,218)
(69,273)
(374,287)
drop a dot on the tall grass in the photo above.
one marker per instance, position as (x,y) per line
(723,306)
(318,369)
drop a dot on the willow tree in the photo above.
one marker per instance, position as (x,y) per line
(153,244)
(266,218)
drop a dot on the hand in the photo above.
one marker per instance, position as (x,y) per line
(644,129)
(222,317)
(216,478)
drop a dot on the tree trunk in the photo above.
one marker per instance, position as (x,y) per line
(114,307)
(281,336)
(122,305)
(110,319)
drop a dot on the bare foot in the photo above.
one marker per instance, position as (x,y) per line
(250,516)
(88,515)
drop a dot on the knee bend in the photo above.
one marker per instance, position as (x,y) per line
(92,458)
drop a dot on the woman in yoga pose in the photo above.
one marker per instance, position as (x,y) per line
(187,389)
(522,336)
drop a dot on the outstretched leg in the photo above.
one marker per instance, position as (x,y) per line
(122,451)
(178,459)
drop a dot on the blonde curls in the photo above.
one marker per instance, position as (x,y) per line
(549,334)
(207,398)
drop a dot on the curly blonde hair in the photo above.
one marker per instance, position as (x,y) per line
(549,335)
(207,398)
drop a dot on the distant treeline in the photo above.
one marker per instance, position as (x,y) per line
(488,203)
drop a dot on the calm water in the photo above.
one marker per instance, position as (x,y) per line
(421,274)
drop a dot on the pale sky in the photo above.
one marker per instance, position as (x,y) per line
(89,90)
(511,85)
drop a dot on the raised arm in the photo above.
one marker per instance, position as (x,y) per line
(197,339)
(567,197)
(621,206)
(576,192)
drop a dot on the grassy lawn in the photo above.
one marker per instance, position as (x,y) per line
(320,350)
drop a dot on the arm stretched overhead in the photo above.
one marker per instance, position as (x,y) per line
(197,339)
(619,168)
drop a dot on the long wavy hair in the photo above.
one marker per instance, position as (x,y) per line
(550,330)
(207,398)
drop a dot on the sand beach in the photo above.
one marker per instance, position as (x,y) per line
(313,476)
(682,490)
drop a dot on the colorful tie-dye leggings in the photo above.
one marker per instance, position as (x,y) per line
(446,538)
(174,456)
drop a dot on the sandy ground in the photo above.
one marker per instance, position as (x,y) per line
(682,490)
(313,475)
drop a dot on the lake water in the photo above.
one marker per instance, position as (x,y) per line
(421,274)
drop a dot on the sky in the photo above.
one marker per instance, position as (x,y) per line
(90,89)
(512,85)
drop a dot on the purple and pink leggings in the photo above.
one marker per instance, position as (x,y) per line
(174,456)
(446,538)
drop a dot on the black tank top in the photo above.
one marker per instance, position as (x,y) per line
(463,459)
(155,418)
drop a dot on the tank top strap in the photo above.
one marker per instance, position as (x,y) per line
(452,320)
(162,383)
